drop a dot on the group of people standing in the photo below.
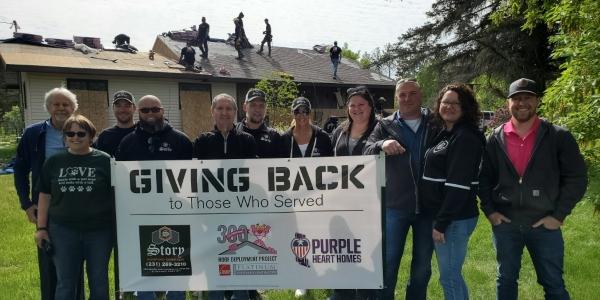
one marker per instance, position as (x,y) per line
(529,174)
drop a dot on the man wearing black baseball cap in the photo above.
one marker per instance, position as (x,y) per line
(267,139)
(532,176)
(123,106)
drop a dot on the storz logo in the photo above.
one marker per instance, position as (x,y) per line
(300,248)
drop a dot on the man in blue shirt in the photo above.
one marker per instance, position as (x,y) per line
(40,141)
(404,137)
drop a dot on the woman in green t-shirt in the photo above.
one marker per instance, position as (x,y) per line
(75,211)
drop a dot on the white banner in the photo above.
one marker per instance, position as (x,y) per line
(310,223)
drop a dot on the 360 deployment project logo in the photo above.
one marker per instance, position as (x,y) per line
(247,251)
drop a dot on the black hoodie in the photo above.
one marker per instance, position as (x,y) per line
(319,145)
(165,144)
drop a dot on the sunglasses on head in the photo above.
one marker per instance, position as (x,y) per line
(74,133)
(146,110)
(355,90)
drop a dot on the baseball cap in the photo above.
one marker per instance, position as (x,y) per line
(301,101)
(123,95)
(253,94)
(523,85)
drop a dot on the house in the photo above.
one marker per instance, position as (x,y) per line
(186,96)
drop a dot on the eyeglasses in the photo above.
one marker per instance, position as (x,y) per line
(146,110)
(302,111)
(73,133)
(450,104)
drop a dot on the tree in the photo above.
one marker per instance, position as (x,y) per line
(461,43)
(573,99)
(281,90)
(363,61)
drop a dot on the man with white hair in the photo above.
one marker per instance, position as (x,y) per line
(40,141)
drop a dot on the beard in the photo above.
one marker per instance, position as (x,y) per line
(255,119)
(153,125)
(522,116)
(124,119)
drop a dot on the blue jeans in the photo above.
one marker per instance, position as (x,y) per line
(353,294)
(451,256)
(334,66)
(219,295)
(71,248)
(169,296)
(397,223)
(546,248)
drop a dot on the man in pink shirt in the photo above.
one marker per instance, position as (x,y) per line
(532,176)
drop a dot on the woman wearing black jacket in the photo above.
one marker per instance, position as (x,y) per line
(304,139)
(449,183)
(350,139)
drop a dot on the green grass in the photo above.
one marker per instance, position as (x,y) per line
(19,274)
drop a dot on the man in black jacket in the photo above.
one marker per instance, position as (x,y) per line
(533,175)
(267,139)
(123,109)
(154,139)
(403,137)
(224,141)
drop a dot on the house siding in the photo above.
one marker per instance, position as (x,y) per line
(37,84)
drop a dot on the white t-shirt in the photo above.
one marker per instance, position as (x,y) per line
(303,148)
(413,124)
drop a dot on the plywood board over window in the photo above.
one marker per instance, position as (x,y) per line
(92,96)
(195,100)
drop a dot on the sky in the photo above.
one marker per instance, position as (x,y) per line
(363,24)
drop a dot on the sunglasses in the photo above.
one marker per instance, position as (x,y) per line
(75,133)
(301,111)
(146,110)
(361,91)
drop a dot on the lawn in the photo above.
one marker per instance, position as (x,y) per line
(19,275)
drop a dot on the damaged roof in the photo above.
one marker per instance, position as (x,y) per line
(32,58)
(305,65)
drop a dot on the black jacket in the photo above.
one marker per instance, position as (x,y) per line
(340,139)
(110,138)
(166,144)
(212,145)
(319,145)
(448,188)
(401,182)
(267,140)
(555,178)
